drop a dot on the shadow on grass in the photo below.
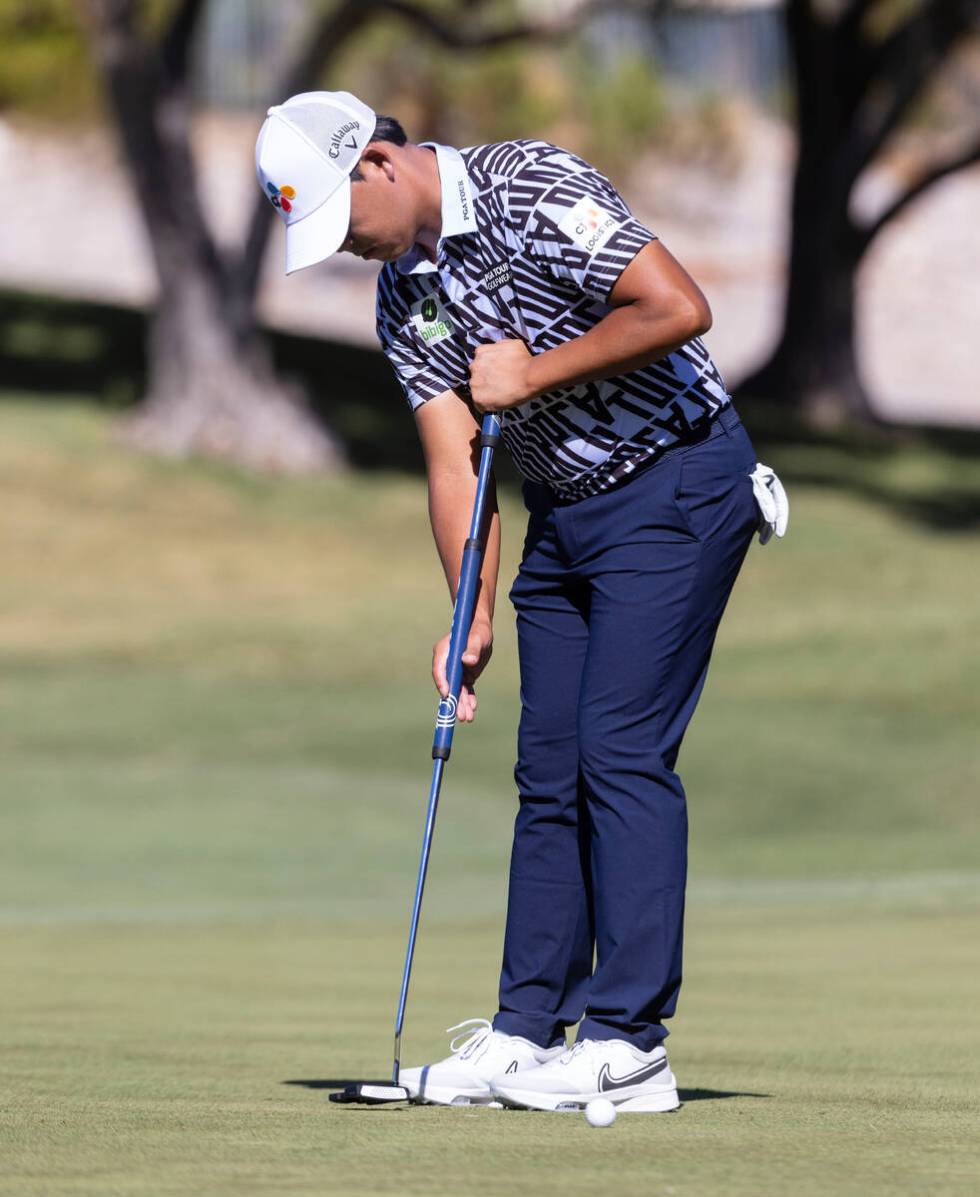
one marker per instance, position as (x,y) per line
(685,1095)
(925,474)
(337,1084)
(53,348)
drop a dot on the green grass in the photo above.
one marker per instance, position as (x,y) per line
(214,729)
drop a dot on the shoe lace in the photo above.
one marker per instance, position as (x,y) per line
(579,1047)
(474,1034)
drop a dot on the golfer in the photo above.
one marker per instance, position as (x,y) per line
(516,281)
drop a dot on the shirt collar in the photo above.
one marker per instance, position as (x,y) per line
(458,216)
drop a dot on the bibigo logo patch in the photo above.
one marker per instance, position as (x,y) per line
(432,321)
(588,224)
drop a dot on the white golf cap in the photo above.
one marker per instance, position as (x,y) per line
(304,156)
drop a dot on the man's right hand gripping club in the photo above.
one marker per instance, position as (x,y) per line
(478,650)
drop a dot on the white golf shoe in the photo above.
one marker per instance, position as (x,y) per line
(634,1081)
(478,1053)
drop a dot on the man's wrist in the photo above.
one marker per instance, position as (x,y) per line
(482,618)
(537,381)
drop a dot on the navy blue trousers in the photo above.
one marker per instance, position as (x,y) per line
(618,598)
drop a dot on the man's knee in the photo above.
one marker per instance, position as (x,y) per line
(547,789)
(547,761)
(609,758)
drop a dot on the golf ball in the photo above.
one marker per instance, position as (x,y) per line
(600,1112)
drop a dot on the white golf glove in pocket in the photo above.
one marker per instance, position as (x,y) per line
(770,498)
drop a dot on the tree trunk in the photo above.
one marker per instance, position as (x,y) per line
(814,367)
(211,386)
(851,94)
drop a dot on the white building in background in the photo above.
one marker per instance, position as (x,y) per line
(243,46)
(717,46)
(706,45)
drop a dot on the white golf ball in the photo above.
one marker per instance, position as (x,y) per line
(600,1112)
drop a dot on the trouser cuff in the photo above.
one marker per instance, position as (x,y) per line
(539,1029)
(645,1038)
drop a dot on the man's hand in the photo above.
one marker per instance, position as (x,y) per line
(500,376)
(477,654)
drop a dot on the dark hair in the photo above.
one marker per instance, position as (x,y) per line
(386,129)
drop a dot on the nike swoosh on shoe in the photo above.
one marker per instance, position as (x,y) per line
(608,1084)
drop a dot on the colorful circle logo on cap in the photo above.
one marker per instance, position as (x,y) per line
(281,197)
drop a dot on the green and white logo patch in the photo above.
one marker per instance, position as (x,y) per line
(432,321)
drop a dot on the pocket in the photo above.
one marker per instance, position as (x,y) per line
(678,496)
(713,491)
(742,442)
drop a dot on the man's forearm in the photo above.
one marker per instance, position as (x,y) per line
(451,498)
(656,307)
(626,338)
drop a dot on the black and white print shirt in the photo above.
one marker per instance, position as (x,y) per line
(533,241)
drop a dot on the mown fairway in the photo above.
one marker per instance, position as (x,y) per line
(215,722)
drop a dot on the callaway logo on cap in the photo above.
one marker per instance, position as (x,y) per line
(304,156)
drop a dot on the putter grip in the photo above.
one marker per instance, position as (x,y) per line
(469,581)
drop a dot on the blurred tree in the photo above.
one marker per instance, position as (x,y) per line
(860,68)
(212,388)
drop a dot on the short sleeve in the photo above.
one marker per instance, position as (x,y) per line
(418,378)
(573,224)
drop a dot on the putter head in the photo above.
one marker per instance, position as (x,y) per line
(371,1094)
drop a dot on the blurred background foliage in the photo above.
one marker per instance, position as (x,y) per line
(609,116)
(609,111)
(45,69)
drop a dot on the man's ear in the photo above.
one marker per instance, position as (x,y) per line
(377,156)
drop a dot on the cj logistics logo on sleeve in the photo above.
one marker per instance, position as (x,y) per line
(588,224)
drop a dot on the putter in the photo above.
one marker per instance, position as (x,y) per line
(469,577)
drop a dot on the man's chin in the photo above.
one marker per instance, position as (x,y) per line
(377,254)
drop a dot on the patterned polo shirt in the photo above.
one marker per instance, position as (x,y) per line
(533,240)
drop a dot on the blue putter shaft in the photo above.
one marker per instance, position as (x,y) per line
(469,577)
